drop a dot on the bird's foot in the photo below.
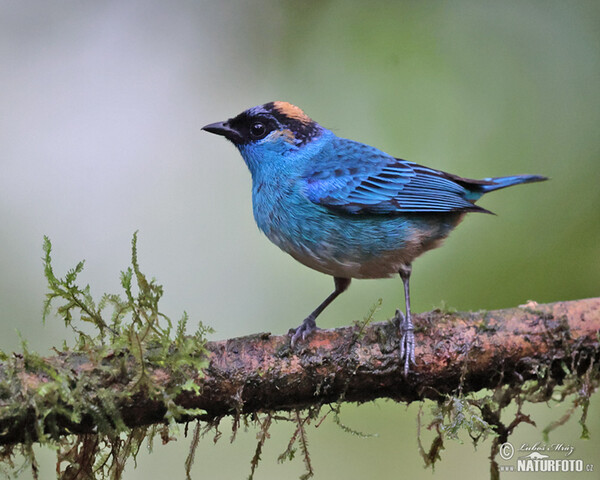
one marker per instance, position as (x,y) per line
(407,340)
(308,326)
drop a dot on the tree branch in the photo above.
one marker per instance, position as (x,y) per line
(463,352)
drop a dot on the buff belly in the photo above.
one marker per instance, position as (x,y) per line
(353,246)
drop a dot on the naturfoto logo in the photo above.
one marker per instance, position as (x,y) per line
(536,461)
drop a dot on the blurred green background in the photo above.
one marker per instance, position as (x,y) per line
(101,105)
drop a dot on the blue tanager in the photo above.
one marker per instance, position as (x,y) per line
(344,208)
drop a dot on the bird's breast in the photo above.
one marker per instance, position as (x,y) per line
(351,246)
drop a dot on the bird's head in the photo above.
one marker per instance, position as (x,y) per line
(268,123)
(269,131)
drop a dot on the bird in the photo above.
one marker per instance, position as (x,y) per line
(347,209)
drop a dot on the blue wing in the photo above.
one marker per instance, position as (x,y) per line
(358,179)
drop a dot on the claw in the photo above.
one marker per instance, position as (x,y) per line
(408,349)
(407,340)
(308,326)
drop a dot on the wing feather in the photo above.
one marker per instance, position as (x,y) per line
(359,179)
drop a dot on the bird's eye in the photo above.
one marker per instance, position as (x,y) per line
(258,130)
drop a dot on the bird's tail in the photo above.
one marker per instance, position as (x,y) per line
(502,182)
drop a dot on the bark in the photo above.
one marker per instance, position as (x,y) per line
(470,351)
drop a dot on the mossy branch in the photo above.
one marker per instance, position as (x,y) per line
(456,353)
(133,374)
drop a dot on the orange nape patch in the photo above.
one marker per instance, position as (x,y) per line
(291,111)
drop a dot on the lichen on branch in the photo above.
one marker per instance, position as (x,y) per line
(135,375)
(89,401)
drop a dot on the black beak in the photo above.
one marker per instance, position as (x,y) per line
(223,128)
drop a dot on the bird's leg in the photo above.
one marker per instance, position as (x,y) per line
(407,341)
(309,324)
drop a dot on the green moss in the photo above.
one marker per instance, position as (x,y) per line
(479,414)
(125,327)
(444,307)
(129,329)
